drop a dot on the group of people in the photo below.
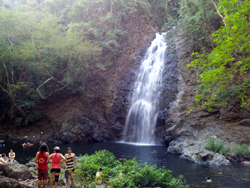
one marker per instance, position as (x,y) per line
(11,157)
(43,159)
(27,144)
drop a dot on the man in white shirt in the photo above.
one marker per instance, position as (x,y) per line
(2,161)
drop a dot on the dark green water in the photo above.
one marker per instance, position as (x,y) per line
(235,176)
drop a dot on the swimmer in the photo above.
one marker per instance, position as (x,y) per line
(208,179)
(29,144)
(24,144)
(154,151)
(179,133)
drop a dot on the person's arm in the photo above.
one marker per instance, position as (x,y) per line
(50,156)
(62,157)
(9,154)
(74,157)
(65,162)
(48,159)
(35,160)
(14,155)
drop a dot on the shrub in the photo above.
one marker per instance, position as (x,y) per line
(217,147)
(241,150)
(134,174)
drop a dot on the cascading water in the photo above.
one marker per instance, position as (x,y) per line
(142,115)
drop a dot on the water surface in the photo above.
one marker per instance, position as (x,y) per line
(235,176)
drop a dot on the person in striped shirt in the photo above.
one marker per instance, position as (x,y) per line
(70,165)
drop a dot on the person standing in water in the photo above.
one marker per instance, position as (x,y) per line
(12,156)
(70,165)
(57,158)
(42,159)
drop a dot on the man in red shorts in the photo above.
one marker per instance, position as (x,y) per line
(42,159)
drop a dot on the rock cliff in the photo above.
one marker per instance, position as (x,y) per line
(230,123)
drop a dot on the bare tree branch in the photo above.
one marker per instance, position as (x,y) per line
(218,11)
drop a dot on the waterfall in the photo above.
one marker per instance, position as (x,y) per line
(144,101)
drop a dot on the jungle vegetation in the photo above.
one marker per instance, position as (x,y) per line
(50,47)
(220,31)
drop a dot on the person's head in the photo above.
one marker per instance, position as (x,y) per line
(100,169)
(208,178)
(43,148)
(156,184)
(69,150)
(3,155)
(56,149)
(41,141)
(120,158)
(11,150)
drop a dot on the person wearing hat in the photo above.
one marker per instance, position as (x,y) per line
(70,165)
(56,165)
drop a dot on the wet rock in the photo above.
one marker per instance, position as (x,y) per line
(168,139)
(194,151)
(16,171)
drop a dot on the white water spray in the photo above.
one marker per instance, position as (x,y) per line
(142,115)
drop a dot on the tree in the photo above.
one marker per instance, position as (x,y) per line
(12,58)
(225,70)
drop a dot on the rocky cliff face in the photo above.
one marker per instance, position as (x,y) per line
(229,123)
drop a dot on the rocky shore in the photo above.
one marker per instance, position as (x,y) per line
(194,150)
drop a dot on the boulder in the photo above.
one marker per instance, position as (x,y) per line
(12,183)
(194,150)
(16,171)
(31,164)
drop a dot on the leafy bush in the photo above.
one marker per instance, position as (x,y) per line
(241,150)
(217,147)
(134,173)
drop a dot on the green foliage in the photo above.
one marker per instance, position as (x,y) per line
(198,18)
(225,70)
(75,42)
(217,147)
(134,174)
(241,150)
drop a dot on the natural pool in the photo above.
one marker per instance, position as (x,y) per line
(235,176)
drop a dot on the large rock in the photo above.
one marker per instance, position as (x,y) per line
(16,171)
(12,183)
(194,151)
